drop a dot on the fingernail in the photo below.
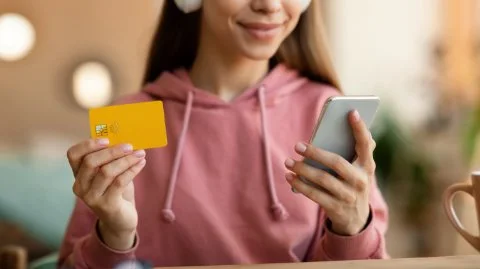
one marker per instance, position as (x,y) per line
(102,141)
(127,148)
(356,116)
(289,163)
(301,147)
(139,153)
(289,177)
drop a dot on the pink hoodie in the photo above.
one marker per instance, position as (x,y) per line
(217,193)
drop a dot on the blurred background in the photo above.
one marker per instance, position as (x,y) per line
(58,58)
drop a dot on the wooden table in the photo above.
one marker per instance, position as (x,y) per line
(454,262)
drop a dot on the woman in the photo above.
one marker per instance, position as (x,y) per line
(242,83)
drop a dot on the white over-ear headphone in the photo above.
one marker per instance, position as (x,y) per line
(305,4)
(188,6)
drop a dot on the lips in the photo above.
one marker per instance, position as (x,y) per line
(262,31)
(261,26)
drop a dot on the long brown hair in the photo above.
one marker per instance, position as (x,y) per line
(176,41)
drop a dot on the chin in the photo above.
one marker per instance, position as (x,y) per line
(259,54)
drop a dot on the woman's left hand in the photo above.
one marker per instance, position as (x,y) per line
(344,199)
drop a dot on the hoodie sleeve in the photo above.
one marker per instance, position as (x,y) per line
(82,248)
(368,244)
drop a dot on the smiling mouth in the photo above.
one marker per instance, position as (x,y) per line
(262,31)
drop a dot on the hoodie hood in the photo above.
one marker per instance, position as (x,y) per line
(177,86)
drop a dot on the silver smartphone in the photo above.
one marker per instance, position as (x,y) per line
(334,133)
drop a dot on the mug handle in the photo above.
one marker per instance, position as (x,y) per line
(451,214)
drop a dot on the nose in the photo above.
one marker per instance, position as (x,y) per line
(267,6)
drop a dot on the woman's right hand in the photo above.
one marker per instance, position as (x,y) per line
(104,181)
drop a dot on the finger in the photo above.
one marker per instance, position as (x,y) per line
(323,199)
(364,143)
(76,153)
(339,165)
(334,186)
(121,182)
(110,171)
(91,163)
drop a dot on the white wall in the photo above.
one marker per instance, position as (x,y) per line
(383,47)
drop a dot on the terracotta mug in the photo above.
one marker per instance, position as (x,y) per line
(474,190)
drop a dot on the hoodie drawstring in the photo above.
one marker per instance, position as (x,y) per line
(167,211)
(278,210)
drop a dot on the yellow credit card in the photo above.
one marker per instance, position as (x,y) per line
(140,124)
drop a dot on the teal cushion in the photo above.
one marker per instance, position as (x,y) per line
(48,262)
(36,193)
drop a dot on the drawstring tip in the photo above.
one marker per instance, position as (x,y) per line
(168,215)
(279,212)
